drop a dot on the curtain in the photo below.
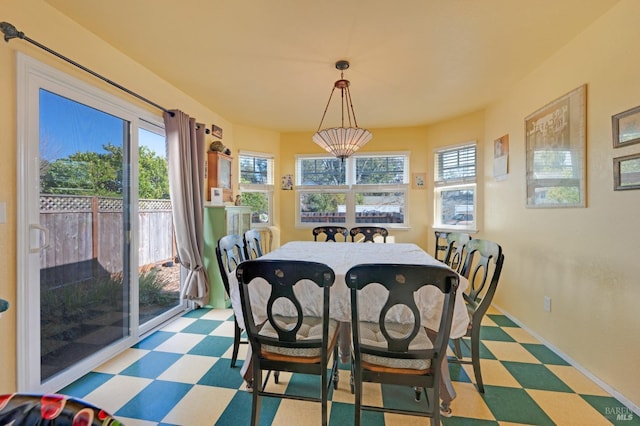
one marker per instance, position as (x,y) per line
(185,154)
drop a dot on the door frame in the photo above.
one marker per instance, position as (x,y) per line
(33,75)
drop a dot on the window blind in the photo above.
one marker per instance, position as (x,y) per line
(456,164)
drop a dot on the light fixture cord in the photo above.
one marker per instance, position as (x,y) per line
(342,101)
(326,108)
(353,113)
(345,100)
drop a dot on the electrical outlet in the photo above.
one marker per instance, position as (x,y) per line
(547,303)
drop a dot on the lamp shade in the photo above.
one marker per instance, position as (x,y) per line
(342,141)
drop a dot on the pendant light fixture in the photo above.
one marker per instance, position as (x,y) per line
(342,141)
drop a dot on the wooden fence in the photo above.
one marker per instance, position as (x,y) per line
(89,231)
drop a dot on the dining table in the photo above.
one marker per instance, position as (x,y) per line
(341,256)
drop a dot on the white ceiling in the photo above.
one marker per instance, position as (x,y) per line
(270,64)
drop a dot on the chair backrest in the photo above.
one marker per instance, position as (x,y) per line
(229,253)
(484,266)
(283,310)
(369,232)
(267,239)
(252,244)
(456,251)
(330,232)
(402,282)
(441,245)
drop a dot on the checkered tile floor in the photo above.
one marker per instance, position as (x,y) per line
(180,375)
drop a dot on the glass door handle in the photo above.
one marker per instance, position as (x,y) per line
(45,232)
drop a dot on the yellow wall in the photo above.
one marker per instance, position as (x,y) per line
(265,141)
(586,260)
(44,24)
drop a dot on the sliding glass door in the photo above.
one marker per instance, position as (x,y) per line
(96,241)
(84,196)
(159,273)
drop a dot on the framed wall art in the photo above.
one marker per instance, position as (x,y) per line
(501,157)
(626,127)
(626,172)
(555,138)
(216,196)
(419,180)
(287,182)
(216,131)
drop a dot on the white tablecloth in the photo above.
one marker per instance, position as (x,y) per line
(342,256)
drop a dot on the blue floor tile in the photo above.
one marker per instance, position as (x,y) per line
(495,333)
(535,376)
(197,313)
(153,340)
(86,384)
(155,401)
(221,375)
(238,411)
(613,410)
(502,320)
(514,405)
(202,327)
(151,365)
(544,354)
(212,346)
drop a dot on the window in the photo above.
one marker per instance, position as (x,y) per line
(363,189)
(455,188)
(256,186)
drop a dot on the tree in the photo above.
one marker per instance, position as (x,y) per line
(322,202)
(153,176)
(259,203)
(92,173)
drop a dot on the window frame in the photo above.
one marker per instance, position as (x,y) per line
(266,188)
(465,182)
(350,188)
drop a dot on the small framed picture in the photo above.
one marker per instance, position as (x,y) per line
(419,180)
(501,157)
(626,127)
(626,172)
(216,131)
(216,196)
(287,182)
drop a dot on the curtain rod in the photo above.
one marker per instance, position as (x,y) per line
(10,32)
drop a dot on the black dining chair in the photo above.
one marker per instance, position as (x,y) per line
(483,265)
(252,244)
(294,338)
(441,245)
(388,350)
(330,233)
(369,233)
(230,252)
(456,251)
